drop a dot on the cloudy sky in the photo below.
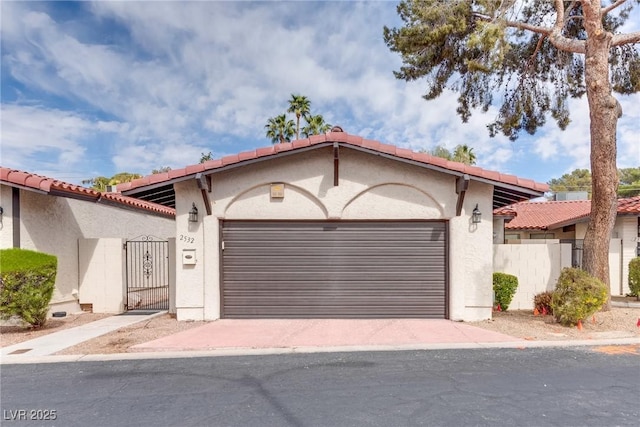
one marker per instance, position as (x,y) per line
(96,88)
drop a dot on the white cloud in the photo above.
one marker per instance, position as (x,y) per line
(29,132)
(158,83)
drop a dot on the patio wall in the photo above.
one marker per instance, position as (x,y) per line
(102,268)
(537,267)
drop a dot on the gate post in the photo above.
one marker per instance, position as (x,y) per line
(173,263)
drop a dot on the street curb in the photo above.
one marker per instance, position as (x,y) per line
(521,345)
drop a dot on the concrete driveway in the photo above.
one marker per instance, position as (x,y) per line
(323,333)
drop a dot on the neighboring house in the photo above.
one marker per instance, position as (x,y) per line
(333,226)
(566,222)
(66,220)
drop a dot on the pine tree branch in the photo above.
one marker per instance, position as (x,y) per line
(621,39)
(612,6)
(555,34)
(558,40)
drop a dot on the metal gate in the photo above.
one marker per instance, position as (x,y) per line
(147,273)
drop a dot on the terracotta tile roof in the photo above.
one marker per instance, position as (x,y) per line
(630,205)
(30,181)
(344,139)
(545,215)
(550,215)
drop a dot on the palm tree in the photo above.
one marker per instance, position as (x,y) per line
(442,152)
(299,105)
(162,169)
(100,183)
(464,154)
(315,126)
(206,157)
(279,129)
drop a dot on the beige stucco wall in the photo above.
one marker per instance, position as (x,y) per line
(101,274)
(551,234)
(55,224)
(6,225)
(626,228)
(371,187)
(498,230)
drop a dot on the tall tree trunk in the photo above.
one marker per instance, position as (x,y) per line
(604,113)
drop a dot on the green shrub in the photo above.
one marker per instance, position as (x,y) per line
(27,281)
(504,288)
(577,296)
(634,277)
(542,302)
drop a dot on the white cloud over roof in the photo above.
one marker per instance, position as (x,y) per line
(98,88)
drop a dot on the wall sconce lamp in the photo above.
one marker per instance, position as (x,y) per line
(193,213)
(476,216)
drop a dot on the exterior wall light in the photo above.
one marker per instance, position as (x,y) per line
(193,213)
(476,216)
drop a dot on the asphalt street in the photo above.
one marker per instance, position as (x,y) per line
(515,387)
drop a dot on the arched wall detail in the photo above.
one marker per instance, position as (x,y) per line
(393,200)
(255,203)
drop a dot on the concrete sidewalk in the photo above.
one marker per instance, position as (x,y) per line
(54,342)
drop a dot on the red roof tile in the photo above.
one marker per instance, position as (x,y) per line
(544,215)
(629,205)
(55,187)
(346,139)
(550,215)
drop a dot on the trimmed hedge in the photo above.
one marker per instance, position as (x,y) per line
(27,281)
(504,288)
(577,296)
(634,277)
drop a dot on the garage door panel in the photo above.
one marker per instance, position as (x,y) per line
(322,269)
(377,280)
(275,312)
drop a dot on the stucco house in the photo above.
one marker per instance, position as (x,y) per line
(85,229)
(333,226)
(566,222)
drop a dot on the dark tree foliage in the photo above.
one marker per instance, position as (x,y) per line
(471,48)
(529,57)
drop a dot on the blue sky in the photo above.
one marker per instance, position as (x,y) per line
(96,88)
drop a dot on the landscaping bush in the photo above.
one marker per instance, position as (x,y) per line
(577,296)
(27,281)
(634,277)
(504,288)
(542,303)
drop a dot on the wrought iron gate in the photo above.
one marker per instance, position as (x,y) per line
(147,273)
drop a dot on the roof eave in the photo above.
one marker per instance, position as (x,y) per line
(224,168)
(23,187)
(522,193)
(125,206)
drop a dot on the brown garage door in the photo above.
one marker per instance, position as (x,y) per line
(334,269)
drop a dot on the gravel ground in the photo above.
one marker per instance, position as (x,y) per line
(617,323)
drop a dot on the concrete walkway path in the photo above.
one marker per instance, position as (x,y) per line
(54,342)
